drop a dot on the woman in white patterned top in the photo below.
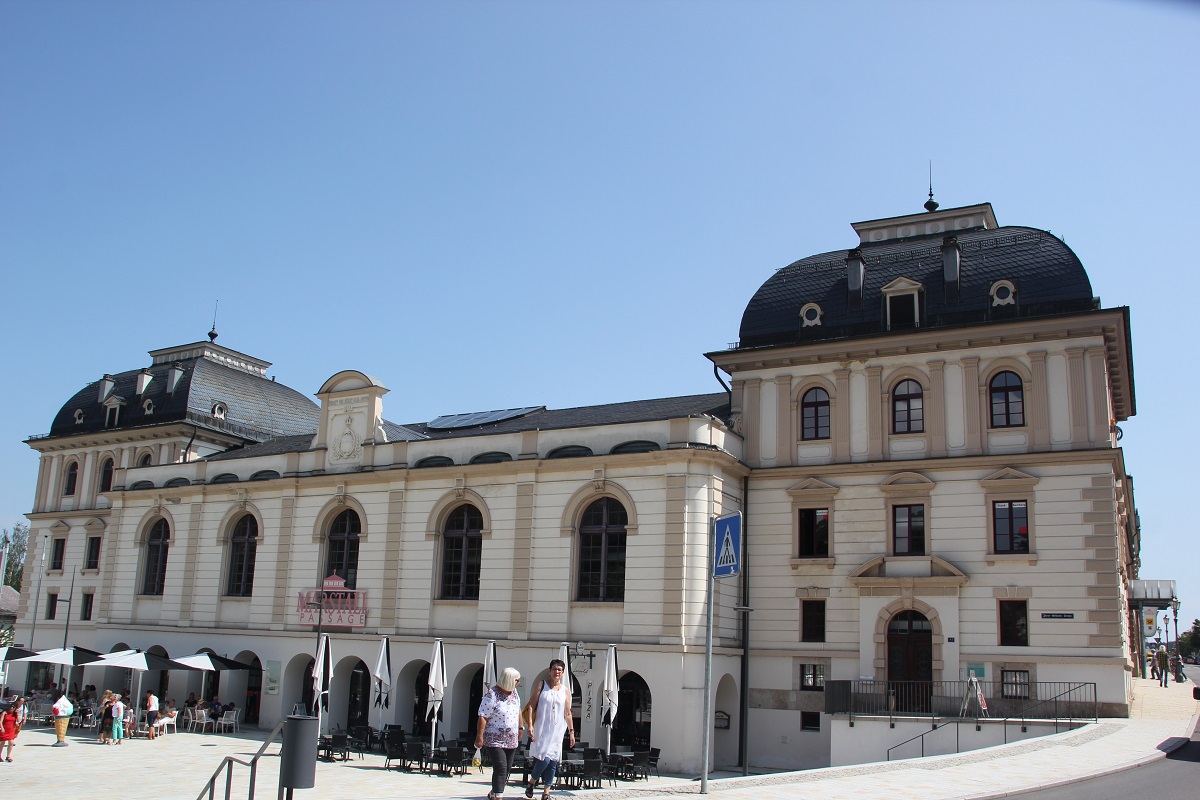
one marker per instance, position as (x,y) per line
(498,728)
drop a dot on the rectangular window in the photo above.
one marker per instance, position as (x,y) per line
(58,552)
(902,312)
(93,553)
(1014,683)
(810,720)
(85,610)
(51,605)
(1014,623)
(814,532)
(813,678)
(1010,526)
(812,620)
(908,530)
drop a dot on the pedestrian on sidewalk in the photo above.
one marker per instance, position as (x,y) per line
(1162,661)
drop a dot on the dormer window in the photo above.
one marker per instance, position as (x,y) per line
(79,416)
(810,315)
(148,406)
(902,304)
(1003,293)
(111,415)
(219,410)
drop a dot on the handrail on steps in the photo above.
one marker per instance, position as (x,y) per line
(1024,721)
(227,764)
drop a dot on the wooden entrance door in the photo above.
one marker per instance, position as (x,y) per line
(910,662)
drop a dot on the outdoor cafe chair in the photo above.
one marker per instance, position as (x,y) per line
(339,745)
(360,739)
(202,720)
(654,753)
(414,755)
(640,765)
(170,722)
(593,774)
(392,749)
(456,759)
(228,722)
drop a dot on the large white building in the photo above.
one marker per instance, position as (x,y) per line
(920,431)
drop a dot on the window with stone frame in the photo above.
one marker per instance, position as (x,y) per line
(58,552)
(812,620)
(462,553)
(1010,526)
(1014,684)
(1014,623)
(813,527)
(908,530)
(1007,394)
(602,540)
(342,559)
(814,415)
(812,677)
(243,549)
(91,559)
(154,575)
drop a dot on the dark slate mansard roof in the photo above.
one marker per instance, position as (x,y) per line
(714,405)
(257,407)
(1048,277)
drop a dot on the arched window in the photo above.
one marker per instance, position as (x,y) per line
(908,407)
(343,547)
(156,557)
(72,479)
(602,551)
(146,460)
(462,551)
(814,414)
(243,545)
(106,473)
(1008,400)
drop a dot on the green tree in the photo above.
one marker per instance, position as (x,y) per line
(18,546)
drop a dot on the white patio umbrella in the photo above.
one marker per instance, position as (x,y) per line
(383,677)
(139,662)
(608,696)
(66,656)
(489,666)
(322,678)
(210,662)
(437,688)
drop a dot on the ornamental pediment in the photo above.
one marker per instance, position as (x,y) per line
(908,571)
(902,285)
(1008,479)
(907,483)
(813,488)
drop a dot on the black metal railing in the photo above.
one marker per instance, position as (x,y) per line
(962,699)
(226,766)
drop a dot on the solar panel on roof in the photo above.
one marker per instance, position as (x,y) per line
(453,421)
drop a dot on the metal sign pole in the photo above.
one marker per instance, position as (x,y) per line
(708,651)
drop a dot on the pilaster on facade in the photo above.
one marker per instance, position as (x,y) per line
(936,408)
(841,418)
(974,398)
(1039,401)
(785,436)
(877,401)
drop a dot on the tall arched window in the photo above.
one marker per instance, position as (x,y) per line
(157,542)
(146,460)
(106,473)
(462,551)
(602,551)
(343,547)
(908,407)
(1008,400)
(814,414)
(243,546)
(72,479)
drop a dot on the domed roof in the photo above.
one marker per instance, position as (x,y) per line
(1046,278)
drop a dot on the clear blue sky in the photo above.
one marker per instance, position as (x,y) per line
(497,204)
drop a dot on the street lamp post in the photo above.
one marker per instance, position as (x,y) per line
(1178,663)
(67,630)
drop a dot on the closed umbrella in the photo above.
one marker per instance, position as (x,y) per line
(437,688)
(322,678)
(608,696)
(383,677)
(489,666)
(564,655)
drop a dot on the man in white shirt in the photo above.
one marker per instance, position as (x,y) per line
(151,713)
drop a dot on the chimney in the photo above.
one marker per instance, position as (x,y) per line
(173,377)
(106,386)
(143,380)
(951,266)
(856,275)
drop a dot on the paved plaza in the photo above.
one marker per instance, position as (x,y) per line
(179,766)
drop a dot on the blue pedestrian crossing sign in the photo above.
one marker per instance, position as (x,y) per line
(727,537)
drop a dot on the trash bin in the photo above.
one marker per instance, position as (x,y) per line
(298,758)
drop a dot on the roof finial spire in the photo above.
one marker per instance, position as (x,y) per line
(212,334)
(931,204)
